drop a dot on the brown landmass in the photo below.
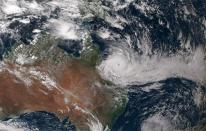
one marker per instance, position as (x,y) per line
(76,93)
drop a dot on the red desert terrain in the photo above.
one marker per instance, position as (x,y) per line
(70,91)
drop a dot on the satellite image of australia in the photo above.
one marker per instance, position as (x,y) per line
(102,65)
